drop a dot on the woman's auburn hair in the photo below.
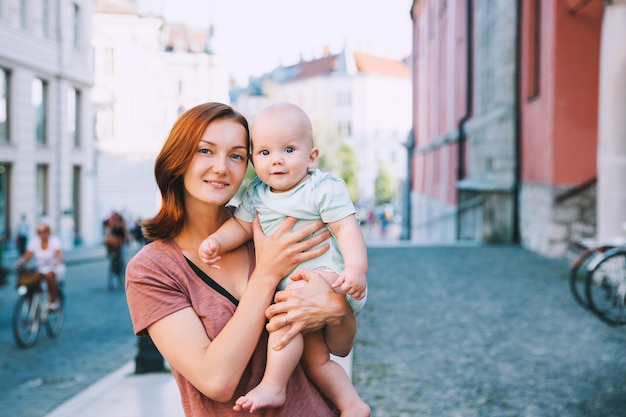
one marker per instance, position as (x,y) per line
(174,159)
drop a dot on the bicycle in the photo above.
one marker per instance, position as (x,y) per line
(31,308)
(115,275)
(605,286)
(579,270)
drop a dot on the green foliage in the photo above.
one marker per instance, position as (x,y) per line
(385,186)
(341,162)
(247,179)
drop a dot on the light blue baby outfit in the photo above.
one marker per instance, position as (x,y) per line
(323,196)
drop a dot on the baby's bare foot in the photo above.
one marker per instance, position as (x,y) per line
(263,395)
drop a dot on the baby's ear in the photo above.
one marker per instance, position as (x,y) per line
(313,157)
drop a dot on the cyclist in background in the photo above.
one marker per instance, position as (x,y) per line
(48,254)
(116,235)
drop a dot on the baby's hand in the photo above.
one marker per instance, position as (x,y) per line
(352,282)
(209,252)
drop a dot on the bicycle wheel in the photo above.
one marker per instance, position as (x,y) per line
(116,273)
(579,272)
(54,321)
(26,321)
(606,287)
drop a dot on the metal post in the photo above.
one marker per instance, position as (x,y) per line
(406,198)
(149,358)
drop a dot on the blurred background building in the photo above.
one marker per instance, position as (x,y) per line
(46,130)
(147,72)
(518,136)
(505,126)
(360,107)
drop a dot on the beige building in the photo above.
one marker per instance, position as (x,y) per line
(147,72)
(351,97)
(46,128)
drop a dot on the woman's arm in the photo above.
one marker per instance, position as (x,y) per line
(58,256)
(215,367)
(25,258)
(311,307)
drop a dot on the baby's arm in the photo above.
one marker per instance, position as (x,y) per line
(232,234)
(351,242)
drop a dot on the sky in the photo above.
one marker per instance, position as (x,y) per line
(256,36)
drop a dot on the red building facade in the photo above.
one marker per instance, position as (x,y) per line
(506,121)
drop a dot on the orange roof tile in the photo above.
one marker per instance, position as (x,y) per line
(321,66)
(369,64)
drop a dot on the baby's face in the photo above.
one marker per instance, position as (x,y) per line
(282,155)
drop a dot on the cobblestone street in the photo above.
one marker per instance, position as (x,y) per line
(459,331)
(482,331)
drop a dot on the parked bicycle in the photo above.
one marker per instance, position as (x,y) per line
(32,308)
(579,270)
(605,287)
(598,280)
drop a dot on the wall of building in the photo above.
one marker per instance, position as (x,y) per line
(439,104)
(51,45)
(142,85)
(559,125)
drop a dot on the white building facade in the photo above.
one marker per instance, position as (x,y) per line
(360,99)
(147,72)
(46,127)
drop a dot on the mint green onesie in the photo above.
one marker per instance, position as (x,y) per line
(322,197)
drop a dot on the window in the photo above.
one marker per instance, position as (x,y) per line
(76,25)
(105,128)
(4,105)
(533,45)
(39,101)
(41,204)
(23,14)
(45,15)
(109,67)
(5,170)
(76,193)
(73,116)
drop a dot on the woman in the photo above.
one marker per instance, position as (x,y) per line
(211,329)
(48,254)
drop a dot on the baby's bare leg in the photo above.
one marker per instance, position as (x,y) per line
(330,378)
(272,390)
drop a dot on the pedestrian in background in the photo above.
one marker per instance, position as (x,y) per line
(23,230)
(116,234)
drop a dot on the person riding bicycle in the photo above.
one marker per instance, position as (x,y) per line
(48,254)
(116,235)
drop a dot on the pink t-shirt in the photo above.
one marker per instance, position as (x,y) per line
(159,282)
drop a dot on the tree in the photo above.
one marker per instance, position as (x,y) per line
(385,186)
(341,162)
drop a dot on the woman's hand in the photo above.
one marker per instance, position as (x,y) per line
(281,252)
(312,306)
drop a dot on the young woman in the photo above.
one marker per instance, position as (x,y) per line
(210,324)
(48,253)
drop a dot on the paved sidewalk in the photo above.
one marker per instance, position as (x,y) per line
(124,393)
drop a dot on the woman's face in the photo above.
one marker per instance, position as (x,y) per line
(218,165)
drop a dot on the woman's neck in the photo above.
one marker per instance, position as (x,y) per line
(199,225)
